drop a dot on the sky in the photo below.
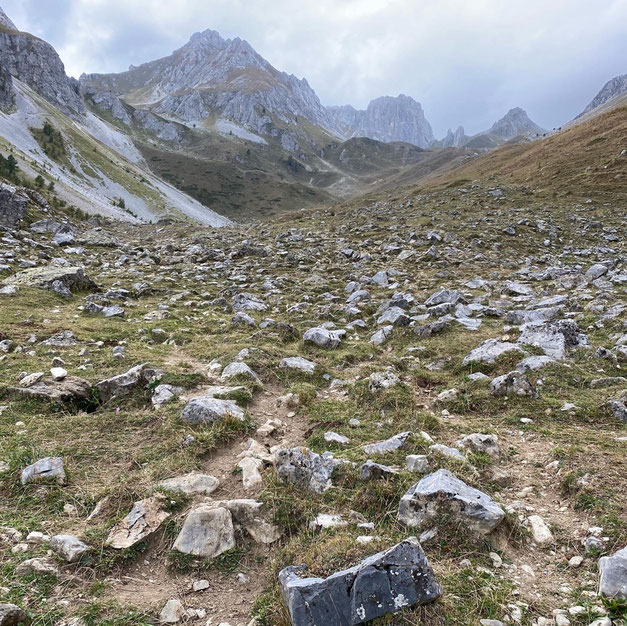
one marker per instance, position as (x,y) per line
(466,61)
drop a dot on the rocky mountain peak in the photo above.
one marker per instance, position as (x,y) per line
(611,89)
(36,63)
(515,122)
(387,119)
(6,21)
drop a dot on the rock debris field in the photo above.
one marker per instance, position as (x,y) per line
(408,411)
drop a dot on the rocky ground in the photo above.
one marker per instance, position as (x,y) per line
(185,412)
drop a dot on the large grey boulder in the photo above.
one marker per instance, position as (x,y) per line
(143,519)
(122,384)
(381,584)
(207,532)
(206,410)
(618,406)
(304,468)
(323,337)
(68,547)
(65,390)
(47,470)
(248,302)
(613,575)
(13,205)
(53,278)
(490,350)
(512,384)
(443,493)
(298,364)
(12,615)
(553,338)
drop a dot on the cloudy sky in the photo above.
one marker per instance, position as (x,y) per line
(466,61)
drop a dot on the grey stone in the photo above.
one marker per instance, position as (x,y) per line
(445,296)
(113,310)
(299,364)
(68,547)
(387,445)
(144,518)
(207,532)
(394,316)
(613,575)
(381,584)
(535,362)
(12,615)
(381,335)
(206,410)
(164,394)
(371,470)
(378,381)
(248,302)
(302,467)
(618,406)
(490,350)
(554,338)
(239,370)
(47,470)
(194,482)
(443,493)
(13,205)
(512,383)
(480,442)
(38,565)
(323,337)
(248,513)
(73,279)
(68,389)
(122,384)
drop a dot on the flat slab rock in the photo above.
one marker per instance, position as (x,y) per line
(381,584)
(70,388)
(144,519)
(72,278)
(206,410)
(443,493)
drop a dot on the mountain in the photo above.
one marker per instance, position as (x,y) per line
(452,139)
(37,64)
(211,77)
(91,165)
(614,87)
(514,123)
(385,119)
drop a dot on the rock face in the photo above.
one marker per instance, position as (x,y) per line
(614,87)
(13,203)
(443,493)
(613,575)
(454,139)
(385,119)
(7,95)
(36,63)
(211,75)
(381,584)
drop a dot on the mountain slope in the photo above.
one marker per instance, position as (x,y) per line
(386,119)
(615,87)
(37,64)
(585,160)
